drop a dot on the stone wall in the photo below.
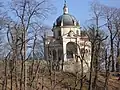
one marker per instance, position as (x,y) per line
(73,66)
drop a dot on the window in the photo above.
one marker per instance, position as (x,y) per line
(82,50)
(59,33)
(77,32)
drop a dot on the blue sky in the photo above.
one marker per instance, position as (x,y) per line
(79,8)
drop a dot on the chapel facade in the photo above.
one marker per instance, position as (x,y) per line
(67,43)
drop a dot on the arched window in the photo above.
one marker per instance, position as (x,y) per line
(82,50)
(59,33)
(54,55)
(77,32)
(86,51)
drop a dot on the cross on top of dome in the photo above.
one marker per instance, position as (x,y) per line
(65,8)
(64,1)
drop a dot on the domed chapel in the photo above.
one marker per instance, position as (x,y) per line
(67,43)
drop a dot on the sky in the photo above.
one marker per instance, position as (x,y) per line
(78,8)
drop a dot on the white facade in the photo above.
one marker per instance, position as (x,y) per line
(66,44)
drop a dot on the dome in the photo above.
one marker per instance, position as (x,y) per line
(67,20)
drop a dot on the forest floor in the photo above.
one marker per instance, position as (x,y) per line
(113,82)
(57,80)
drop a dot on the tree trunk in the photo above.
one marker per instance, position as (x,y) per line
(118,55)
(112,54)
(91,67)
(96,65)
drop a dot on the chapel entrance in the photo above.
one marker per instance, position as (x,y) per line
(71,49)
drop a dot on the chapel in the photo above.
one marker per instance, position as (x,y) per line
(67,43)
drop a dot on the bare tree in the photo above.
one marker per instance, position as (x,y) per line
(109,14)
(28,14)
(116,23)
